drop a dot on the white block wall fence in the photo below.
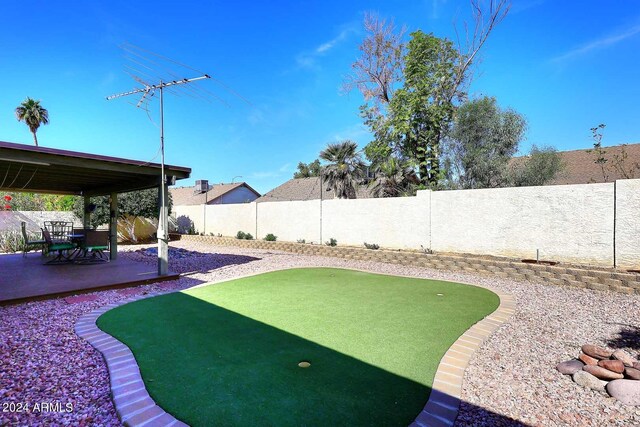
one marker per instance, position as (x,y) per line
(595,224)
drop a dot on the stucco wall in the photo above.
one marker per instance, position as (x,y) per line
(401,222)
(567,223)
(229,219)
(10,220)
(290,221)
(570,223)
(628,223)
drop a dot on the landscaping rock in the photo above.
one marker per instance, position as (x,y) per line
(624,357)
(602,373)
(570,367)
(596,351)
(612,365)
(588,360)
(626,391)
(632,373)
(585,379)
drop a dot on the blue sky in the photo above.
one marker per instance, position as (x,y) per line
(567,66)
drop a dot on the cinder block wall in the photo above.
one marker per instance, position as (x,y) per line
(594,224)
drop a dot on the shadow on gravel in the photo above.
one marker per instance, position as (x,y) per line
(185,261)
(472,415)
(628,337)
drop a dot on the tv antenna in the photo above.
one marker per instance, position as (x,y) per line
(148,90)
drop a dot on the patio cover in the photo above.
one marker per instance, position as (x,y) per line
(47,170)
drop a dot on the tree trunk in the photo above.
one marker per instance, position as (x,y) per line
(423,170)
(35,138)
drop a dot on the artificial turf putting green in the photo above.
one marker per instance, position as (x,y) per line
(228,354)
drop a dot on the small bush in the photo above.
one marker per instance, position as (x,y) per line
(301,241)
(11,241)
(427,251)
(270,237)
(241,235)
(331,242)
(248,236)
(371,246)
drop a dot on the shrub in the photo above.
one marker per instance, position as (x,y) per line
(301,241)
(248,236)
(371,246)
(427,251)
(241,235)
(11,241)
(270,237)
(331,242)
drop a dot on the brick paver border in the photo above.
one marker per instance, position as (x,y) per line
(133,404)
(135,407)
(444,401)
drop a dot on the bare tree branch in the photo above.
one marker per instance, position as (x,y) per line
(484,23)
(380,64)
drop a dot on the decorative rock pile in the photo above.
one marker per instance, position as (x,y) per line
(600,369)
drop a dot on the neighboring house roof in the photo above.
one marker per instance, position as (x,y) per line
(306,189)
(580,166)
(185,196)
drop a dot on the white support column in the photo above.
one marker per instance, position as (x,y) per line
(163,236)
(113,227)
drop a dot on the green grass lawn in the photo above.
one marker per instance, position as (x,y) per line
(228,354)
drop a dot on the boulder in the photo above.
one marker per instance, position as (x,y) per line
(626,391)
(596,351)
(632,373)
(612,365)
(602,373)
(570,367)
(585,379)
(588,360)
(624,357)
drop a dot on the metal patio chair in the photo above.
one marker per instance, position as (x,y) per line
(29,244)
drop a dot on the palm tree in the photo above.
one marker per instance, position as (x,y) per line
(33,114)
(344,168)
(393,179)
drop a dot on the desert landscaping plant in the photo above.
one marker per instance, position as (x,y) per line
(331,242)
(248,236)
(11,241)
(301,241)
(240,235)
(371,246)
(270,237)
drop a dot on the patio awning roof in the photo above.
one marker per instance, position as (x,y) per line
(49,170)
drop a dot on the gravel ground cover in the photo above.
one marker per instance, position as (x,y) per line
(49,376)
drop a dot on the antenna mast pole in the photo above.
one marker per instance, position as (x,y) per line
(163,220)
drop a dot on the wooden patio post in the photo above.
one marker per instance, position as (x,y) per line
(86,216)
(113,227)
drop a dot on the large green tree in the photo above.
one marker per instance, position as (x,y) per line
(34,115)
(344,168)
(308,170)
(540,167)
(482,141)
(410,122)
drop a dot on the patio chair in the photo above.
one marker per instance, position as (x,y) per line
(59,247)
(94,244)
(28,244)
(59,230)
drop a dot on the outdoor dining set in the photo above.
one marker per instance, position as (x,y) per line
(68,244)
